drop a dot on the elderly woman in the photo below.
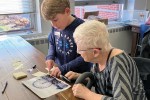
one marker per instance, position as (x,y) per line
(116,76)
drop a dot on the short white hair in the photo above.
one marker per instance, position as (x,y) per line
(92,34)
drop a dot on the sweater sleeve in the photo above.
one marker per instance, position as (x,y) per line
(76,64)
(51,49)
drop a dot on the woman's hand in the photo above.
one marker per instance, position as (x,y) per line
(72,75)
(80,91)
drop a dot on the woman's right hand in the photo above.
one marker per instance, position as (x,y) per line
(72,75)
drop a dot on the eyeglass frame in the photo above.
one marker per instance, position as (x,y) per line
(88,49)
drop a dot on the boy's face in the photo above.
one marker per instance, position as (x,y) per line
(61,21)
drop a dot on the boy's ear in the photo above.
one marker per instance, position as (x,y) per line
(67,10)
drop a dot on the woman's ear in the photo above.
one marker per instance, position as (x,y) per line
(96,52)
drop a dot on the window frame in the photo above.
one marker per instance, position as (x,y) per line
(35,21)
(102,2)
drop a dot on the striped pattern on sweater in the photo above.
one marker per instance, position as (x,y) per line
(120,80)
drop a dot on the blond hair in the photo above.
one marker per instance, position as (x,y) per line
(92,34)
(49,8)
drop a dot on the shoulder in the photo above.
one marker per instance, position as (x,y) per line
(78,20)
(116,52)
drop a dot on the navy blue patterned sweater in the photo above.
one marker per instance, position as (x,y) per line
(62,49)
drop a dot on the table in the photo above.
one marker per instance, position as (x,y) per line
(13,50)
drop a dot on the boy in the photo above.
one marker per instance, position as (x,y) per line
(62,48)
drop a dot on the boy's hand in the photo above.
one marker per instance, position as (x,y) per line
(72,75)
(55,72)
(49,64)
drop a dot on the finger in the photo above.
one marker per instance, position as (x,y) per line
(74,86)
(68,74)
(48,65)
(75,92)
(56,71)
(72,76)
(58,74)
(53,73)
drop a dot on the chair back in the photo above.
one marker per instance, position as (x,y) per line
(145,46)
(143,65)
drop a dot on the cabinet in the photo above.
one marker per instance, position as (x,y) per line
(135,39)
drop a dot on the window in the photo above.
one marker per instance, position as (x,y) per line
(17,15)
(111,12)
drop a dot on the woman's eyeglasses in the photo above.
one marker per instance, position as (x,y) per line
(88,49)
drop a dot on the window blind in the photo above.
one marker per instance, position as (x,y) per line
(16,6)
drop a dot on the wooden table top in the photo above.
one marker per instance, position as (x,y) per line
(15,50)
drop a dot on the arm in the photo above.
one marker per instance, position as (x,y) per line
(74,65)
(51,49)
(121,88)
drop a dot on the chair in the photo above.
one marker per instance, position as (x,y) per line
(145,46)
(142,40)
(144,29)
(143,65)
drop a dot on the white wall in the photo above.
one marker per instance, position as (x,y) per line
(121,40)
(140,4)
(148,5)
(72,4)
(46,27)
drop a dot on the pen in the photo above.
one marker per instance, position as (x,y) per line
(34,67)
(3,90)
(65,78)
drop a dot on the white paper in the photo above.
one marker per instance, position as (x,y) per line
(46,86)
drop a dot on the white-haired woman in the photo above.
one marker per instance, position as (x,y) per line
(116,76)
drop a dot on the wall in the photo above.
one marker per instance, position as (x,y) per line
(148,5)
(46,27)
(121,37)
(140,4)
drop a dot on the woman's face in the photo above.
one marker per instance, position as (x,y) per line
(87,54)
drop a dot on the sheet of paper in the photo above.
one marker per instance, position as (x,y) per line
(46,86)
(17,65)
(39,73)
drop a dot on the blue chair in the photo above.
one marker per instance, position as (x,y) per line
(143,30)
